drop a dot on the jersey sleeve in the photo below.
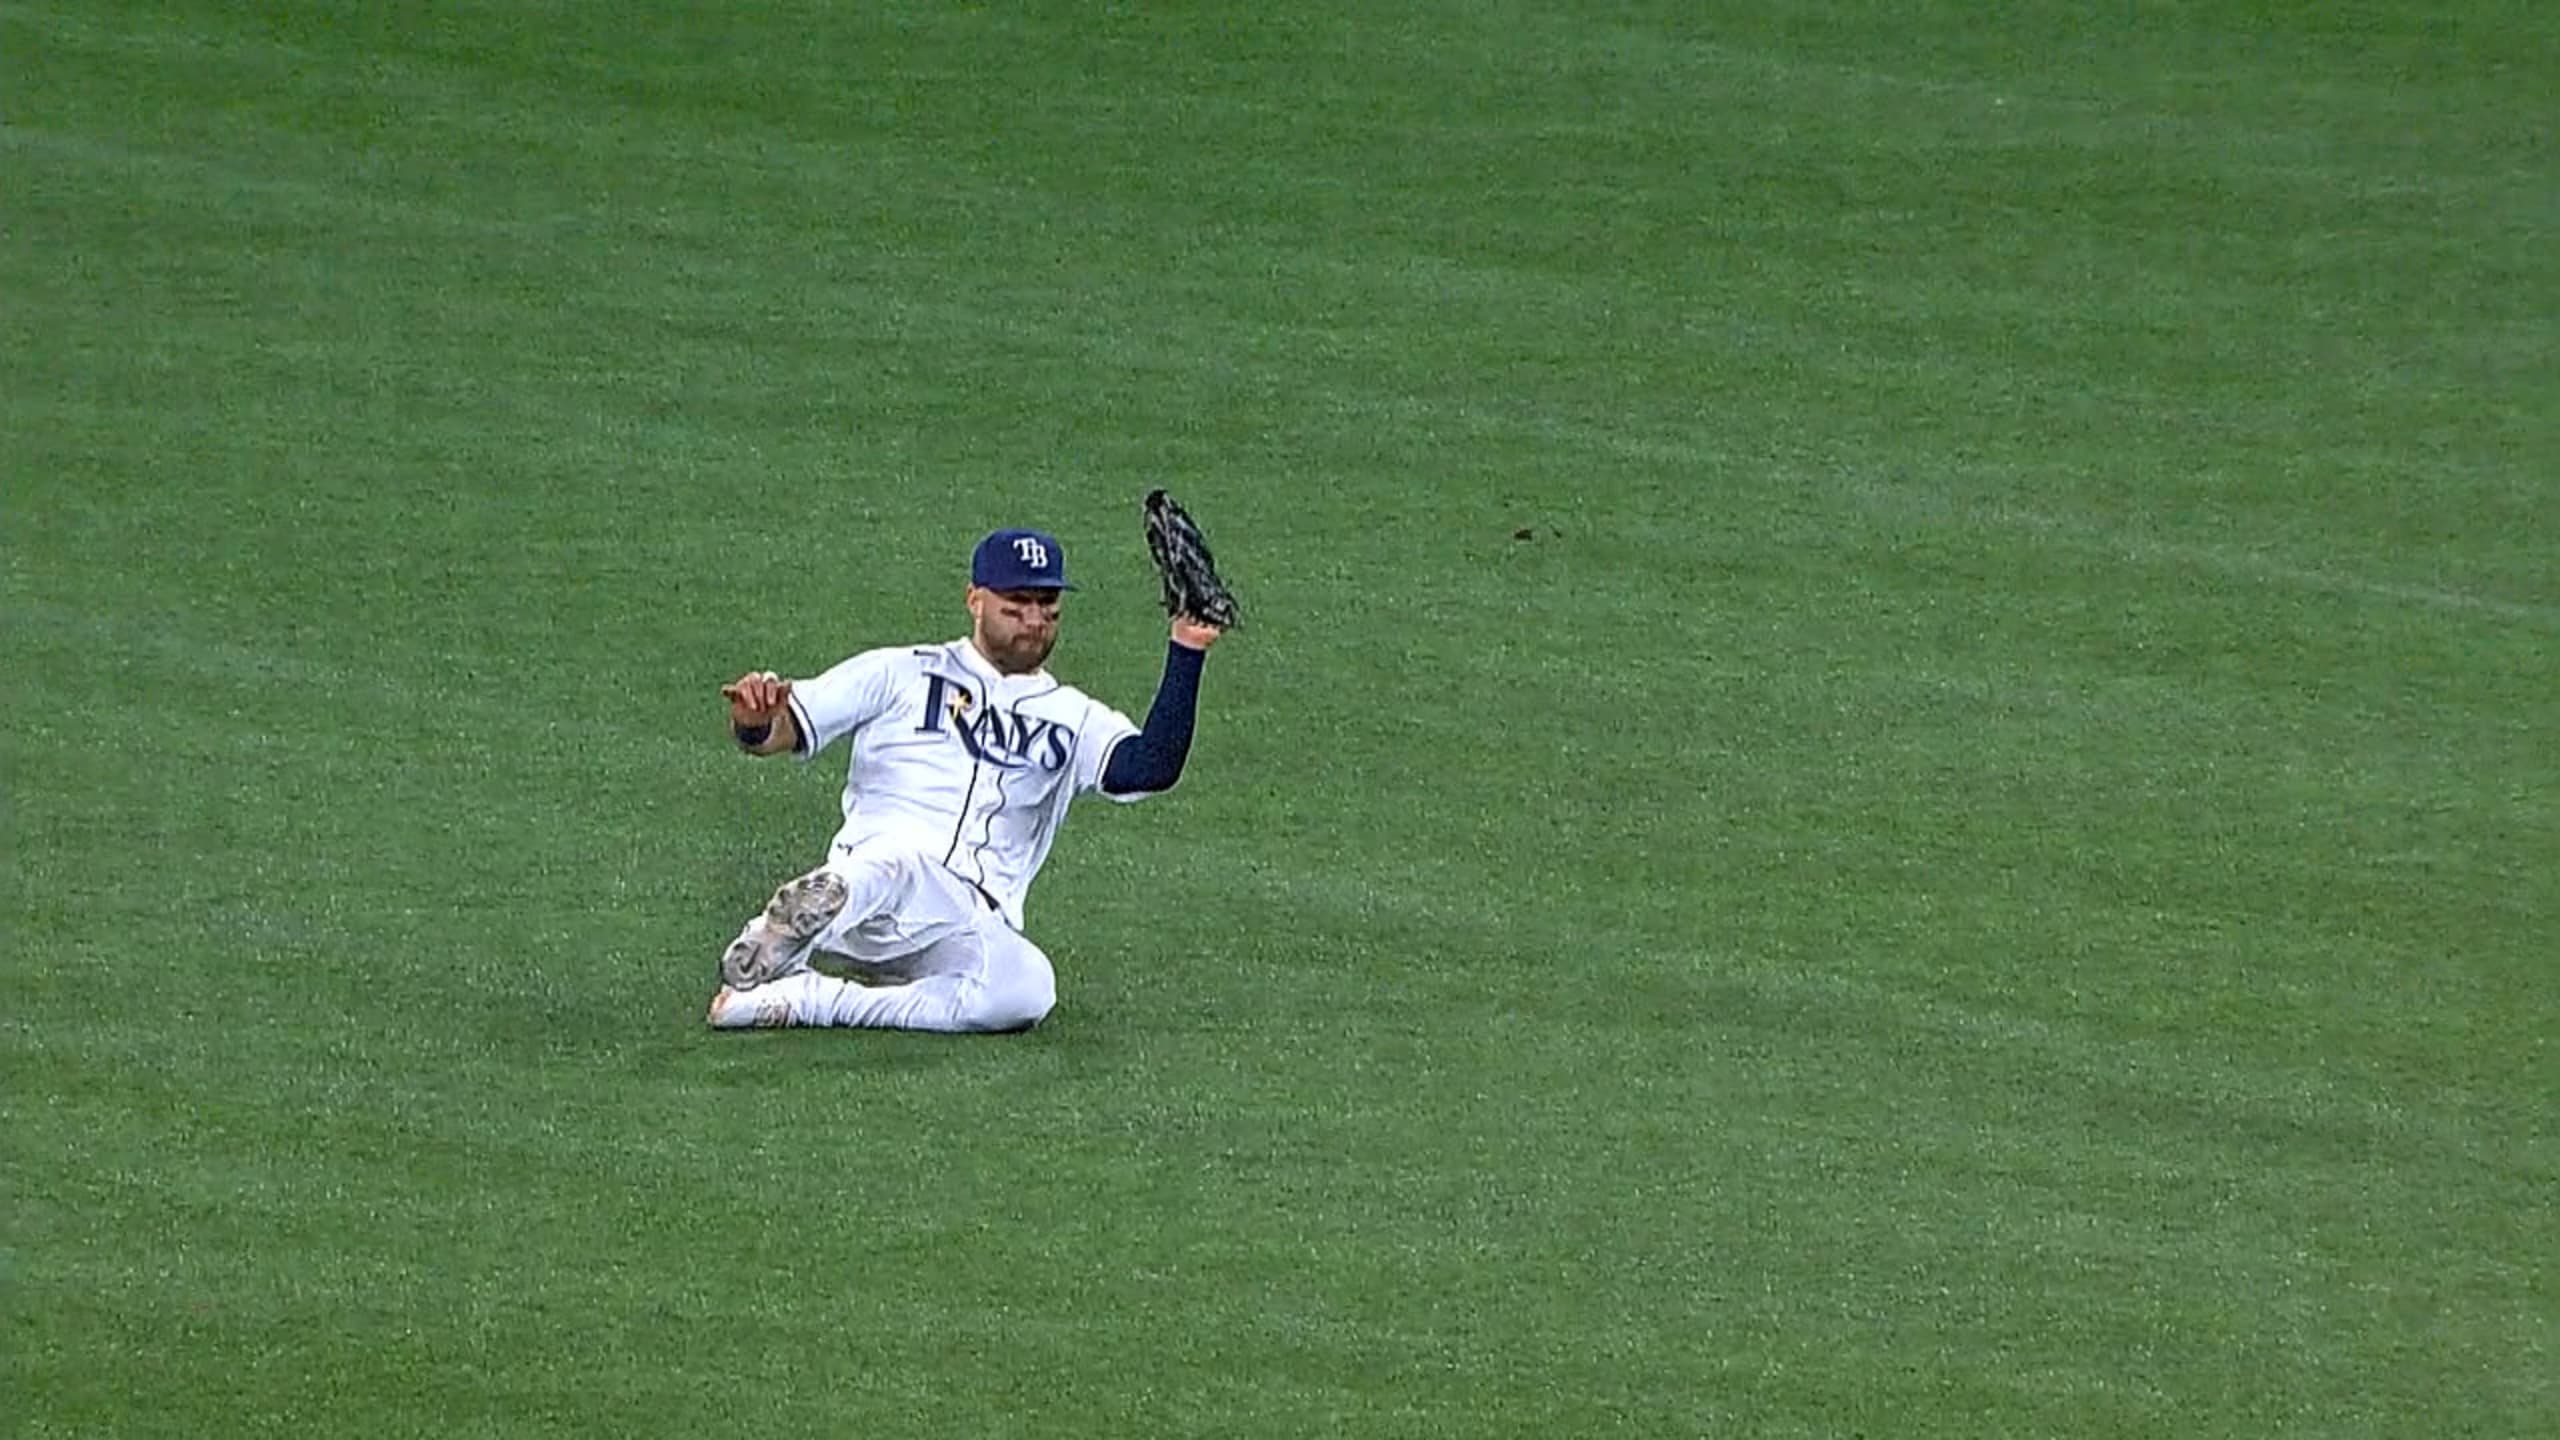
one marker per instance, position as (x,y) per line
(832,705)
(1103,729)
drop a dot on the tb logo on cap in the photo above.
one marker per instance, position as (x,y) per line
(1019,560)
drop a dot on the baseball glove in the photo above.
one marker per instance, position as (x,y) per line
(1183,563)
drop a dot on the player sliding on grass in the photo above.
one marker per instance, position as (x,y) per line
(965,757)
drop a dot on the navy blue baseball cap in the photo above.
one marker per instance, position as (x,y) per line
(1020,560)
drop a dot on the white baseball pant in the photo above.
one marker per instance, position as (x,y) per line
(930,953)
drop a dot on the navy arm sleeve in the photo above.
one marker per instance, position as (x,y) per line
(1151,760)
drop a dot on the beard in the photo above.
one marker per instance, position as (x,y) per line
(1027,652)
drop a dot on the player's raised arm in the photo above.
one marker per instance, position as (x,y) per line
(1202,608)
(760,713)
(1149,762)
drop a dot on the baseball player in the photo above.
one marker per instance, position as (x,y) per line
(965,758)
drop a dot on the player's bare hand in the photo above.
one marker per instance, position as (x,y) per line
(1193,634)
(756,697)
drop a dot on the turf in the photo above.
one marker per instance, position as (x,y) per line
(1988,867)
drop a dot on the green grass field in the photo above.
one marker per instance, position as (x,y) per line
(1992,868)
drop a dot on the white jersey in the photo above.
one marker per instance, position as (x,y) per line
(950,757)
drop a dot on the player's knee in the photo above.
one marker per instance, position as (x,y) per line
(1021,1009)
(1020,1003)
(869,869)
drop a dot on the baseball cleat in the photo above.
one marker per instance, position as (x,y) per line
(777,942)
(748,1010)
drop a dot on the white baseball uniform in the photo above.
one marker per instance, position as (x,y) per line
(959,779)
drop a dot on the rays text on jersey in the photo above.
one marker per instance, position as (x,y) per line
(1007,740)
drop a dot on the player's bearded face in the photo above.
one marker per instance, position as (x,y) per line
(1016,629)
